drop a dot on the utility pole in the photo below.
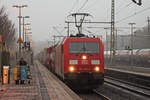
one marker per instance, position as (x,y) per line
(68,30)
(116,46)
(106,39)
(132,26)
(148,20)
(112,40)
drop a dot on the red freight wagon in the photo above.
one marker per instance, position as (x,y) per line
(52,58)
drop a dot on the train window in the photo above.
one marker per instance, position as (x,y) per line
(84,47)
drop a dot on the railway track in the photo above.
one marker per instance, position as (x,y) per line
(132,77)
(134,88)
(92,95)
(101,95)
(129,83)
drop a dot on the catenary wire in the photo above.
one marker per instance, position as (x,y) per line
(133,15)
(90,6)
(83,5)
(123,8)
(74,5)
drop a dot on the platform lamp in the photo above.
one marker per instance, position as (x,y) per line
(29,35)
(25,29)
(24,24)
(22,6)
(28,39)
(26,33)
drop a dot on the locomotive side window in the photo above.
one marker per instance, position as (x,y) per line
(83,47)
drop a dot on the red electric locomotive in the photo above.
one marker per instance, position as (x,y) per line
(79,61)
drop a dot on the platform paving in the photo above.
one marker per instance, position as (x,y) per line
(44,86)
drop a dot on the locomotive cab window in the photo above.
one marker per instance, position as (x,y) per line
(84,47)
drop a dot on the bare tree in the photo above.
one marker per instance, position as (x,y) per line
(7,29)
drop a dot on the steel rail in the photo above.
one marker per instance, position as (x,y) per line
(129,83)
(101,95)
(123,86)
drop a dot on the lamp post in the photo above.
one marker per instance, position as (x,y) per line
(26,33)
(22,6)
(25,30)
(29,35)
(23,26)
(28,39)
(132,27)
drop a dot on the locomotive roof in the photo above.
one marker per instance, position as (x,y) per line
(81,38)
(78,38)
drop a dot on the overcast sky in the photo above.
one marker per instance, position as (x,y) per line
(44,14)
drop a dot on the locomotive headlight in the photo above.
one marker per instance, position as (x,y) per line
(71,68)
(84,57)
(97,69)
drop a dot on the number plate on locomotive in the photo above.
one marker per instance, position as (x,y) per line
(84,62)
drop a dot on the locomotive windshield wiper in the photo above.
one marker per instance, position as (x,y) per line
(83,49)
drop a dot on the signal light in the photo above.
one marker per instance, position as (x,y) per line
(71,68)
(84,57)
(97,69)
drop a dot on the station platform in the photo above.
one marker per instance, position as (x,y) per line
(44,86)
(130,69)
